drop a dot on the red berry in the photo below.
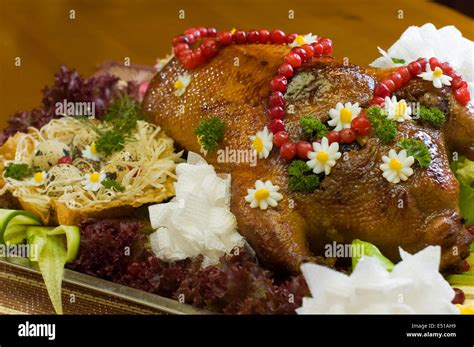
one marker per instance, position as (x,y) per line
(209,47)
(302,149)
(180,47)
(348,135)
(377,100)
(286,70)
(190,37)
(415,68)
(279,83)
(318,49)
(188,62)
(389,84)
(198,57)
(276,112)
(447,69)
(422,62)
(280,138)
(253,36)
(462,95)
(300,51)
(361,126)
(293,59)
(309,50)
(211,32)
(457,82)
(327,46)
(333,136)
(278,37)
(240,37)
(434,63)
(277,99)
(288,150)
(291,37)
(363,114)
(471,229)
(466,266)
(397,79)
(381,90)
(65,160)
(276,125)
(224,37)
(179,39)
(459,296)
(264,35)
(184,53)
(203,31)
(405,73)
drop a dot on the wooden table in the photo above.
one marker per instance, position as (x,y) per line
(44,36)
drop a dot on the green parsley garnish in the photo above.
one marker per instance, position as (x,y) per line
(18,171)
(109,142)
(398,60)
(209,132)
(301,177)
(385,129)
(418,150)
(432,115)
(109,183)
(119,121)
(313,127)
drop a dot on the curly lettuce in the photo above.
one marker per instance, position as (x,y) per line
(464,171)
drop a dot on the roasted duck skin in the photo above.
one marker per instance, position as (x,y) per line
(355,201)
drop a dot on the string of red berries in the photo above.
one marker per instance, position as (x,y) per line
(212,41)
(402,75)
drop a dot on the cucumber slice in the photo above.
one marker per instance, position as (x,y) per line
(369,250)
(13,225)
(73,238)
(461,279)
(37,239)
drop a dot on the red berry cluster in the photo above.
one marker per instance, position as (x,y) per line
(402,75)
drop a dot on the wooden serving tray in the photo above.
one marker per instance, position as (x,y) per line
(22,291)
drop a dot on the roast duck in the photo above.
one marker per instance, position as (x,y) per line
(354,201)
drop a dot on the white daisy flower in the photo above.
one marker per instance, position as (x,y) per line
(262,142)
(439,79)
(181,84)
(264,195)
(324,156)
(397,110)
(91,153)
(301,40)
(342,115)
(93,181)
(39,178)
(397,167)
(161,62)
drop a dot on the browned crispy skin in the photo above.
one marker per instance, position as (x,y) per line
(355,201)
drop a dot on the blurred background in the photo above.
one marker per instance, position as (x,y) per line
(44,36)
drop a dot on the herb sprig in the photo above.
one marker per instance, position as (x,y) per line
(109,183)
(418,150)
(209,132)
(301,177)
(313,127)
(120,120)
(385,129)
(18,171)
(431,115)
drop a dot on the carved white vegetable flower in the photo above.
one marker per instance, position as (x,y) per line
(342,115)
(324,156)
(439,79)
(39,178)
(397,167)
(93,181)
(264,195)
(91,153)
(181,84)
(301,40)
(397,110)
(262,142)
